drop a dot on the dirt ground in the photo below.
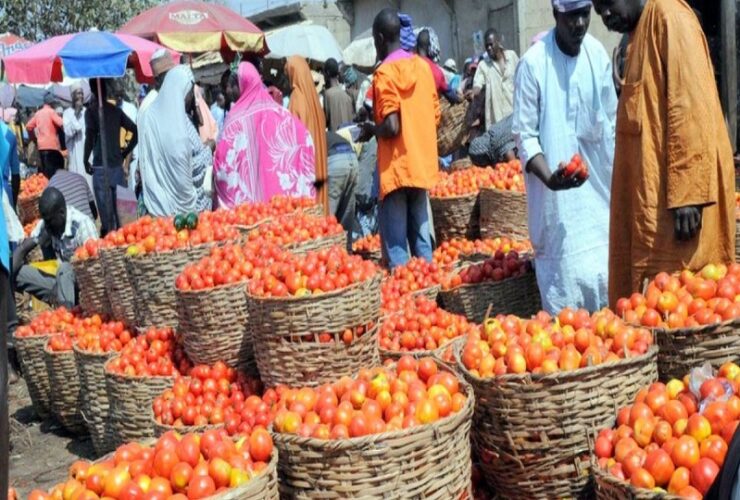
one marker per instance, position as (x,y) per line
(41,451)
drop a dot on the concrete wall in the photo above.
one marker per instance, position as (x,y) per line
(328,14)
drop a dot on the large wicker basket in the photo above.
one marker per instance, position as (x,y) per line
(451,132)
(430,462)
(66,394)
(533,432)
(28,208)
(130,399)
(95,404)
(609,487)
(35,373)
(444,353)
(456,217)
(461,164)
(373,256)
(319,244)
(213,325)
(118,285)
(503,213)
(683,349)
(89,275)
(153,277)
(278,326)
(519,296)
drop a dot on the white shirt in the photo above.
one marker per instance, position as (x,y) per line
(78,229)
(499,86)
(565,105)
(74,135)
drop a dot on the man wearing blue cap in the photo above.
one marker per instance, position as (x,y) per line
(565,103)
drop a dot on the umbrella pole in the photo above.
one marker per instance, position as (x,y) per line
(104,154)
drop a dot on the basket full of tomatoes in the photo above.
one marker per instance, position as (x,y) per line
(369,248)
(695,317)
(503,203)
(417,447)
(66,397)
(154,264)
(455,203)
(88,267)
(314,317)
(145,367)
(505,282)
(542,387)
(28,198)
(300,233)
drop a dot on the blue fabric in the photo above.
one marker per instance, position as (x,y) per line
(404,224)
(4,243)
(6,169)
(95,54)
(408,37)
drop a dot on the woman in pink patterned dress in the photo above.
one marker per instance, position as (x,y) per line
(264,151)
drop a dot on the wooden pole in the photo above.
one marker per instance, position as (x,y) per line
(728,78)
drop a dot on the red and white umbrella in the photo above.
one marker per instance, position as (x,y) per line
(10,43)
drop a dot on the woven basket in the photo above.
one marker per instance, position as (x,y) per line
(35,373)
(66,396)
(160,429)
(28,208)
(536,430)
(445,353)
(315,210)
(430,292)
(456,217)
(503,213)
(430,462)
(609,487)
(451,132)
(374,256)
(684,349)
(318,244)
(95,404)
(461,164)
(91,283)
(278,325)
(118,285)
(213,326)
(153,277)
(130,397)
(519,296)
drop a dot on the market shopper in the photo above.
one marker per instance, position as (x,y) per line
(495,146)
(74,133)
(66,228)
(673,206)
(173,158)
(338,105)
(264,151)
(161,62)
(305,105)
(45,125)
(495,77)
(564,103)
(343,171)
(406,112)
(114,119)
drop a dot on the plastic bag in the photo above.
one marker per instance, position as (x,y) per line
(700,375)
(126,205)
(14,226)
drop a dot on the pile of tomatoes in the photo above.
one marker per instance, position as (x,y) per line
(156,353)
(462,182)
(499,267)
(91,249)
(250,214)
(673,438)
(452,250)
(188,467)
(367,244)
(686,300)
(287,230)
(378,400)
(228,264)
(112,337)
(314,273)
(421,326)
(32,186)
(576,167)
(508,344)
(508,176)
(417,274)
(59,320)
(212,395)
(28,228)
(90,333)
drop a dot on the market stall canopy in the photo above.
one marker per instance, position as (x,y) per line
(361,52)
(308,40)
(90,54)
(10,43)
(193,26)
(32,96)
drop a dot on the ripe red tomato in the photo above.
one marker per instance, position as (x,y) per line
(703,474)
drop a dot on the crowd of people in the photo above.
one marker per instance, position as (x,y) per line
(659,196)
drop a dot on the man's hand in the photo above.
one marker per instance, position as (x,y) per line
(88,168)
(367,131)
(558,181)
(687,222)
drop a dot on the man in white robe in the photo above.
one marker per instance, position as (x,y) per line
(565,103)
(74,134)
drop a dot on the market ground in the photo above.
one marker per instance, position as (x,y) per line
(42,451)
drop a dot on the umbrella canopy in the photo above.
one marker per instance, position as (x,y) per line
(194,26)
(91,54)
(10,43)
(307,40)
(361,52)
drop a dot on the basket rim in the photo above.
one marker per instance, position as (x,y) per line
(57,353)
(557,377)
(484,283)
(508,191)
(334,293)
(424,353)
(454,198)
(185,429)
(91,354)
(137,378)
(735,322)
(237,284)
(370,439)
(603,475)
(31,337)
(326,237)
(76,260)
(171,251)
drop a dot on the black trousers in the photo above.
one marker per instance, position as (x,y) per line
(51,161)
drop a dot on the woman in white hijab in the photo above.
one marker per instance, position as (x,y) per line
(174,160)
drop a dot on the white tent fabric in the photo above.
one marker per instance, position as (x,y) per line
(308,40)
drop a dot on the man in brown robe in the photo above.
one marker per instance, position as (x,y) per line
(672,204)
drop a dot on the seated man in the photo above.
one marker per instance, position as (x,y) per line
(495,146)
(76,191)
(67,229)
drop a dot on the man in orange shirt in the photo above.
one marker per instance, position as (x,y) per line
(406,111)
(46,124)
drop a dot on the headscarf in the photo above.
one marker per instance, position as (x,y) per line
(350,76)
(569,5)
(304,103)
(434,48)
(264,151)
(165,151)
(408,37)
(208,130)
